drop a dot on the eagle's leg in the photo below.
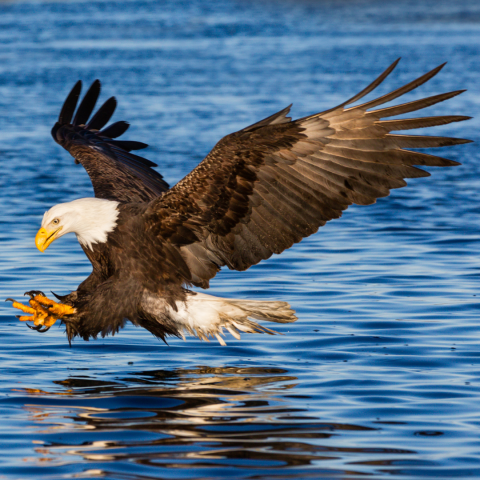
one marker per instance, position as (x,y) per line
(44,312)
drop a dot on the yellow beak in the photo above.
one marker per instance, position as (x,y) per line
(45,237)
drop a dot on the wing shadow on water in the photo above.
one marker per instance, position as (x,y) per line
(236,422)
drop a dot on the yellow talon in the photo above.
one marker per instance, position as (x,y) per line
(45,312)
(23,307)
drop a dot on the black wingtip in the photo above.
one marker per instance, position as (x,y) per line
(70,104)
(116,129)
(127,145)
(88,103)
(103,115)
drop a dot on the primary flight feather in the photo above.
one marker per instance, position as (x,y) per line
(259,191)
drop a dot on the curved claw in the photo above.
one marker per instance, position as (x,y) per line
(59,297)
(38,328)
(9,300)
(33,328)
(32,293)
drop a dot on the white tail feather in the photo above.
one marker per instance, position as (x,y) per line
(205,316)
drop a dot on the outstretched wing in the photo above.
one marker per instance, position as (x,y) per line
(266,187)
(116,174)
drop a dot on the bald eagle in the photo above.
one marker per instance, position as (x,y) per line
(259,191)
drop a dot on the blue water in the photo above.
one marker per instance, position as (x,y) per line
(380,375)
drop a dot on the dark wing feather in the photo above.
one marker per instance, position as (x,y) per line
(116,174)
(68,108)
(275,119)
(116,129)
(103,115)
(128,146)
(266,187)
(88,103)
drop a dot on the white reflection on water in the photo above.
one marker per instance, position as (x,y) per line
(239,414)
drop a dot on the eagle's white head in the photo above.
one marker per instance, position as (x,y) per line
(91,219)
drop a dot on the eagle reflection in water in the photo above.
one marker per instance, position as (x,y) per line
(188,418)
(259,191)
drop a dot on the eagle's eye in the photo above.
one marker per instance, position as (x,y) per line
(56,221)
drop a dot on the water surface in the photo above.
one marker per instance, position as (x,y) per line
(380,375)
